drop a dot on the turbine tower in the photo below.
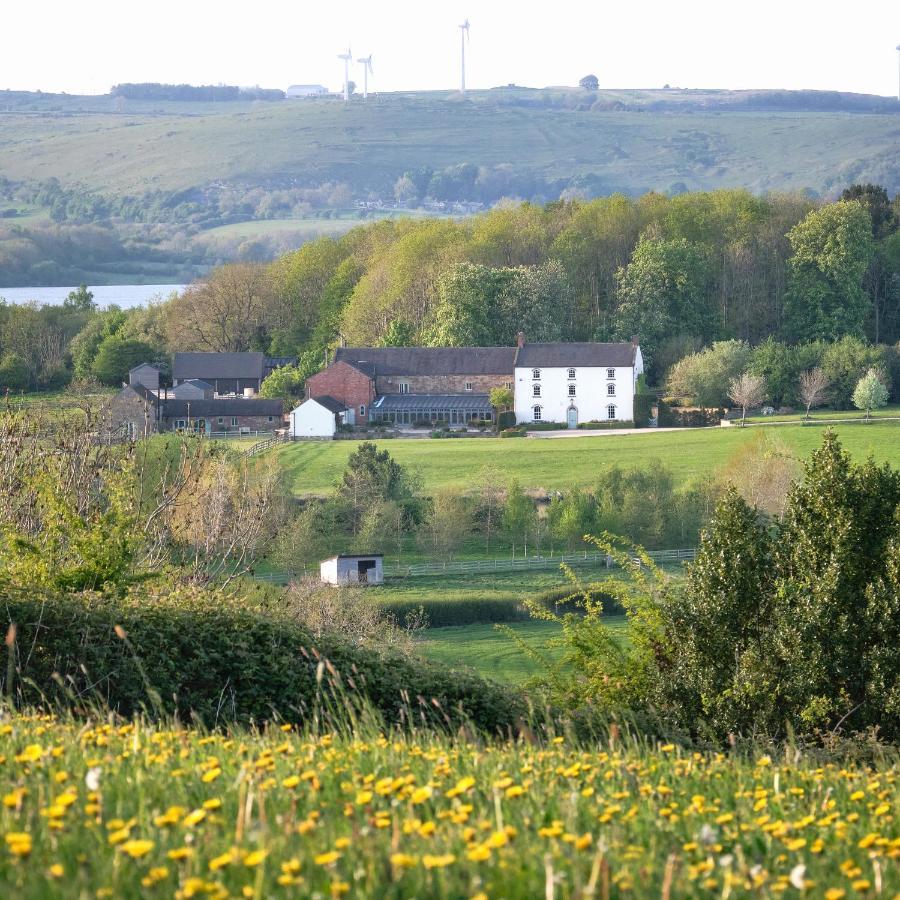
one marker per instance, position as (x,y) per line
(463,37)
(347,58)
(898,66)
(366,63)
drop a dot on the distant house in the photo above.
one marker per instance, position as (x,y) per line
(565,383)
(317,418)
(141,412)
(145,375)
(227,373)
(306,90)
(364,568)
(192,389)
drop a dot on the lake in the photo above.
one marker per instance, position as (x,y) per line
(123,295)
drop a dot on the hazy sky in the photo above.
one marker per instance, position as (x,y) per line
(87,46)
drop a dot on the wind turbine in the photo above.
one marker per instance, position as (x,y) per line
(463,37)
(366,63)
(347,58)
(898,63)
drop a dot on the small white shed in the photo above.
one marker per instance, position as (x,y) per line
(366,568)
(317,417)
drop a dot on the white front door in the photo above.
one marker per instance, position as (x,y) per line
(572,414)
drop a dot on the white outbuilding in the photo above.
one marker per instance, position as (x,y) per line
(317,418)
(366,568)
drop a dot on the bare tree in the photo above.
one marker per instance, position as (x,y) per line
(763,470)
(747,391)
(813,388)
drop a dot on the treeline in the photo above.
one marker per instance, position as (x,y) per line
(190,92)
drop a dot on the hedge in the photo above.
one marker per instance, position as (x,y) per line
(670,417)
(643,408)
(218,659)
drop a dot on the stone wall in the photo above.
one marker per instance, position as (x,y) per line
(442,384)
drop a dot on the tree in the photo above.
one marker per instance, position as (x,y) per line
(702,379)
(490,502)
(518,515)
(80,300)
(825,299)
(844,363)
(572,517)
(13,373)
(813,388)
(747,391)
(399,334)
(664,290)
(762,471)
(870,393)
(285,383)
(589,83)
(448,525)
(501,398)
(116,357)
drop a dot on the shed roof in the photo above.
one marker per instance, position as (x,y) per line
(329,403)
(429,360)
(217,365)
(563,355)
(144,365)
(228,406)
(355,556)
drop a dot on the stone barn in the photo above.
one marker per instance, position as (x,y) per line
(350,568)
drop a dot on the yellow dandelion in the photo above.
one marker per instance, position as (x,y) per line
(438,862)
(137,849)
(327,859)
(56,871)
(180,853)
(402,860)
(478,854)
(194,818)
(219,862)
(255,858)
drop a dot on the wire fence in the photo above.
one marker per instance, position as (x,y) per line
(528,563)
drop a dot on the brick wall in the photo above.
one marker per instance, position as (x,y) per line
(132,413)
(442,384)
(344,383)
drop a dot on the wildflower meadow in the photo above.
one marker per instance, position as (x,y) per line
(105,808)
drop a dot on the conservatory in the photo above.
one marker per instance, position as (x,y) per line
(454,409)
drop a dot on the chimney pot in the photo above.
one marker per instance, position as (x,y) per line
(520,339)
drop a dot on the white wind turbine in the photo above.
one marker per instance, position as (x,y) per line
(463,37)
(366,63)
(347,58)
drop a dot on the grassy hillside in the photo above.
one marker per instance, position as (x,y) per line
(633,141)
(314,467)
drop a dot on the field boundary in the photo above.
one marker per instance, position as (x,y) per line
(421,570)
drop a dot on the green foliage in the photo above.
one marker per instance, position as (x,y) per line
(665,289)
(790,626)
(844,363)
(703,378)
(501,398)
(832,248)
(222,659)
(13,373)
(870,393)
(643,409)
(285,383)
(116,357)
(572,516)
(80,300)
(518,514)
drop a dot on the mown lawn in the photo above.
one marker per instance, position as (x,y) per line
(115,809)
(314,467)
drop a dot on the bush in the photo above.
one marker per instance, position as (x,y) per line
(218,658)
(513,433)
(597,425)
(457,611)
(506,420)
(546,426)
(13,373)
(670,417)
(643,409)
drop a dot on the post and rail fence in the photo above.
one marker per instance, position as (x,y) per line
(574,560)
(262,446)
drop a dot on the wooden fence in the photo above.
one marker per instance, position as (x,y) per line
(528,563)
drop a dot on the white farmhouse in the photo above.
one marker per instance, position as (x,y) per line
(575,383)
(306,90)
(317,418)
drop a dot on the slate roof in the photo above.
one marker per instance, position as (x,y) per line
(563,355)
(217,365)
(329,403)
(429,360)
(231,406)
(197,383)
(428,402)
(144,365)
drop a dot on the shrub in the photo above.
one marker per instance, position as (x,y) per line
(506,420)
(513,433)
(597,425)
(445,612)
(670,417)
(204,654)
(643,409)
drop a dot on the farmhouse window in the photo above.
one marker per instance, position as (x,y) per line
(271,418)
(610,373)
(234,421)
(610,411)
(536,374)
(220,420)
(510,385)
(571,390)
(536,389)
(468,385)
(611,390)
(362,409)
(180,423)
(536,414)
(571,373)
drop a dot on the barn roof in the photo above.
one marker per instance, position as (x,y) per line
(217,365)
(429,360)
(230,406)
(329,403)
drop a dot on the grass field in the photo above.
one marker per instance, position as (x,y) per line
(109,809)
(314,467)
(134,147)
(492,652)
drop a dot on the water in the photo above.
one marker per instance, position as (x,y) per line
(123,295)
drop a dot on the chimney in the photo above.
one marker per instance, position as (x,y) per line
(520,339)
(634,340)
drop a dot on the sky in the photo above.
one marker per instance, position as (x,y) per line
(810,44)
